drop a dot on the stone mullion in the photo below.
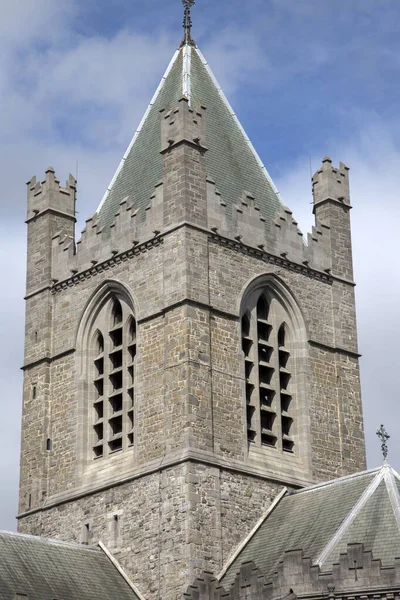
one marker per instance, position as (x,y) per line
(108,347)
(125,384)
(125,379)
(94,395)
(276,382)
(255,379)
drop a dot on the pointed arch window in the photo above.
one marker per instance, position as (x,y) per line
(266,343)
(113,379)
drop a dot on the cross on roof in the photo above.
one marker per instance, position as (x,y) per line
(383,436)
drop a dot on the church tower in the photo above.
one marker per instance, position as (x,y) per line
(191,354)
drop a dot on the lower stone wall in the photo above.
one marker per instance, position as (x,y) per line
(173,524)
(337,435)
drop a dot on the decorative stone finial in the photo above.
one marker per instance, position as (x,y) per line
(187,21)
(383,436)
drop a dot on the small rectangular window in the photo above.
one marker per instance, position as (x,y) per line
(48,444)
(34,390)
(115,531)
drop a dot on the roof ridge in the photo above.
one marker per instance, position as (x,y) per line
(367,493)
(138,130)
(52,541)
(393,492)
(120,570)
(337,481)
(238,123)
(256,527)
(186,72)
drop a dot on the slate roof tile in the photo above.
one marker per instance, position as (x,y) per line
(323,519)
(48,569)
(231,161)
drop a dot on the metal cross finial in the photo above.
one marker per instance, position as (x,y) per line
(187,21)
(383,436)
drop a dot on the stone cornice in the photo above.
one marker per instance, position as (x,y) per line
(38,291)
(272,258)
(232,316)
(333,201)
(47,359)
(258,253)
(106,264)
(52,211)
(166,462)
(334,349)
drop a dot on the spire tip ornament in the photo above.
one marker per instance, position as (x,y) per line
(187,21)
(383,436)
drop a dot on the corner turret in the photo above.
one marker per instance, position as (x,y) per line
(50,210)
(332,209)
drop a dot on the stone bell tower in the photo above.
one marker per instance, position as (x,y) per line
(190,355)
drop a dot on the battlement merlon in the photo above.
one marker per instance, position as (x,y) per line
(50,196)
(51,210)
(184,172)
(183,124)
(331,184)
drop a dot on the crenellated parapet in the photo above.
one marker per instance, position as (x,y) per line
(331,195)
(48,195)
(319,248)
(243,221)
(183,124)
(331,183)
(131,226)
(287,237)
(296,577)
(50,209)
(246,224)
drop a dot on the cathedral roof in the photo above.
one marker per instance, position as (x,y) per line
(323,519)
(46,569)
(231,160)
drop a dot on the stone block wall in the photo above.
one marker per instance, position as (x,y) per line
(190,488)
(174,522)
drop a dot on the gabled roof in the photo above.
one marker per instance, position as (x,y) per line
(231,159)
(48,569)
(321,520)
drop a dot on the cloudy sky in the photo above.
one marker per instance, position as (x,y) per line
(306,77)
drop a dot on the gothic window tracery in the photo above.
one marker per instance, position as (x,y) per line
(113,373)
(266,345)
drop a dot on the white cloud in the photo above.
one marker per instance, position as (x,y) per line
(66,97)
(373,157)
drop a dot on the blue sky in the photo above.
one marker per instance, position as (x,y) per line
(306,77)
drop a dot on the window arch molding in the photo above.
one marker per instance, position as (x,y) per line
(275,369)
(106,413)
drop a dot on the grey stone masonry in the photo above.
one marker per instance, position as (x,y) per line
(184,175)
(358,574)
(190,487)
(51,208)
(332,209)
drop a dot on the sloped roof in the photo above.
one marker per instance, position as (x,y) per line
(231,159)
(321,520)
(47,569)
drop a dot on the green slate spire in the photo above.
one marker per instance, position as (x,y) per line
(231,160)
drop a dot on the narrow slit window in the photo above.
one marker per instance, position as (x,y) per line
(86,534)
